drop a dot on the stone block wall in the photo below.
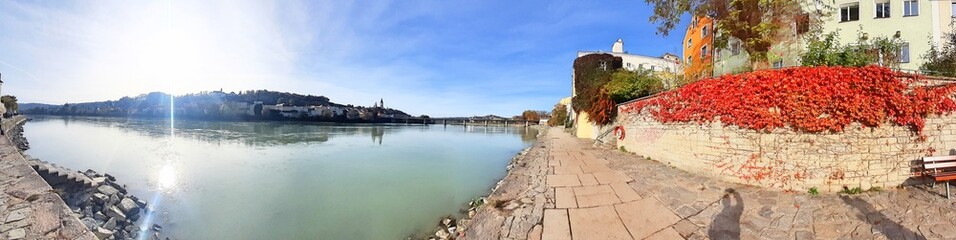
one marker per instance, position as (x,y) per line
(887,156)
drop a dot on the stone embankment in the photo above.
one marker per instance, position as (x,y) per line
(43,200)
(104,206)
(29,207)
(509,201)
(516,204)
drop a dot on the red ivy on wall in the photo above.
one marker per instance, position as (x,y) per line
(811,99)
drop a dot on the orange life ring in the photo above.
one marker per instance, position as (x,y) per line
(619,132)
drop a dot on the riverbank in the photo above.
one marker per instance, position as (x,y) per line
(516,204)
(89,205)
(29,207)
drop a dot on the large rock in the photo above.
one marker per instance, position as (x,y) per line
(89,222)
(129,207)
(103,233)
(115,212)
(110,224)
(108,190)
(100,198)
(99,216)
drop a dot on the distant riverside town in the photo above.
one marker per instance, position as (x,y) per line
(256,105)
(249,105)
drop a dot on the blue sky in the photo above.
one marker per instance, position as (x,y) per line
(441,58)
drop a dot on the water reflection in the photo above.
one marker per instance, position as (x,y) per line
(272,133)
(286,180)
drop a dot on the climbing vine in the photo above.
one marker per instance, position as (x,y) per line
(591,73)
(809,99)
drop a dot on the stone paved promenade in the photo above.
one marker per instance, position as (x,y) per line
(583,192)
(29,208)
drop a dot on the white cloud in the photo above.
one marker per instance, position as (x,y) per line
(352,52)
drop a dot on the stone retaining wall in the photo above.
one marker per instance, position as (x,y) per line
(885,157)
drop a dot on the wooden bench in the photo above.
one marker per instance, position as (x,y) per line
(941,169)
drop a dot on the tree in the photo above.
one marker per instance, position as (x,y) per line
(559,115)
(755,23)
(10,103)
(941,60)
(628,85)
(591,73)
(530,115)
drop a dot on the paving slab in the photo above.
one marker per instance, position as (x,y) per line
(564,198)
(556,225)
(609,177)
(562,170)
(625,192)
(587,179)
(595,168)
(591,196)
(668,234)
(645,217)
(597,223)
(564,180)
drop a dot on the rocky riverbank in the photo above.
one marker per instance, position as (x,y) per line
(102,205)
(111,212)
(516,201)
(16,137)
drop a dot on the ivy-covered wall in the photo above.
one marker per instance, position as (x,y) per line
(858,157)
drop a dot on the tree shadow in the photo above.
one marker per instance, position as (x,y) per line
(889,228)
(726,224)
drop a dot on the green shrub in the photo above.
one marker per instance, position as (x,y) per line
(941,60)
(813,191)
(628,85)
(828,51)
(852,191)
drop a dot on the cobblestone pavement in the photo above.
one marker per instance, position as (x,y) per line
(592,193)
(29,208)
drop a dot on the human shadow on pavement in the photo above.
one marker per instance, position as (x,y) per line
(726,224)
(889,228)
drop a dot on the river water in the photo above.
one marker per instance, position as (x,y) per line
(270,180)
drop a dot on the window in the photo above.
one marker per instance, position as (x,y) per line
(905,53)
(778,64)
(703,52)
(802,23)
(850,12)
(953,6)
(882,9)
(690,59)
(703,32)
(652,68)
(910,8)
(689,42)
(735,48)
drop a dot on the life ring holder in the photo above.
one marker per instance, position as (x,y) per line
(619,132)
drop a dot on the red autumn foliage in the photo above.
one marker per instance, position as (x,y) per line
(810,99)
